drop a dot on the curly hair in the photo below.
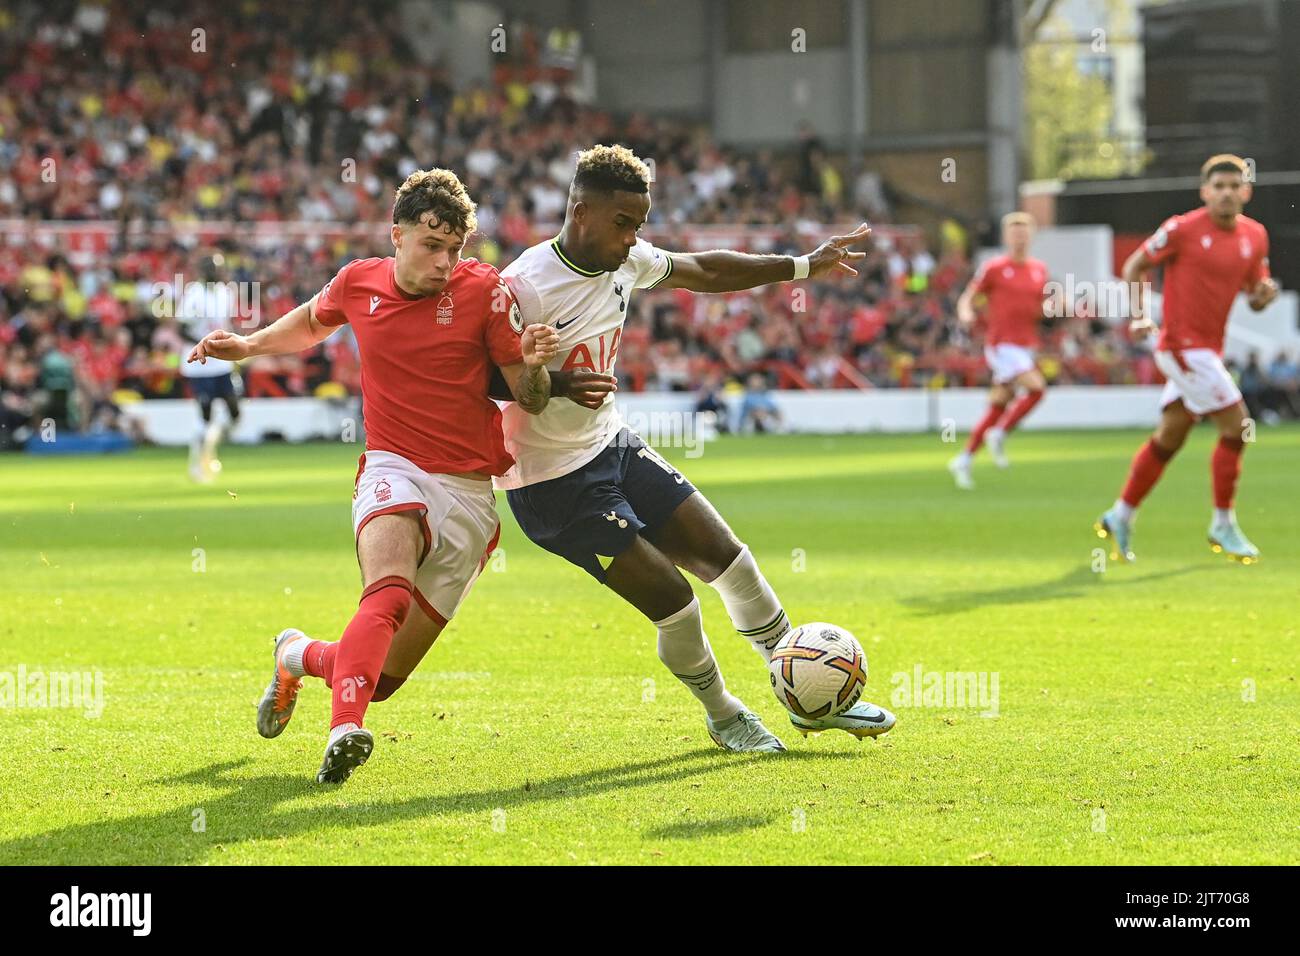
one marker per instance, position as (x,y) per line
(610,168)
(440,192)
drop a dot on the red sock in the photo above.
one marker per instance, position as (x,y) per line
(318,660)
(1145,471)
(1022,407)
(1225,466)
(364,645)
(988,421)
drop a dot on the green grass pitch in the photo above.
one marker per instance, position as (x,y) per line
(1145,713)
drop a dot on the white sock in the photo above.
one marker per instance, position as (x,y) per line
(211,438)
(339,731)
(1123,510)
(751,603)
(685,651)
(292,657)
(196,447)
(1225,516)
(963,458)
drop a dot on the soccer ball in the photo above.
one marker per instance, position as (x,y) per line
(818,670)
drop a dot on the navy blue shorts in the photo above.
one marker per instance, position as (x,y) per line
(212,387)
(599,509)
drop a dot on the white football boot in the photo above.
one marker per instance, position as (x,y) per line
(861,720)
(744,732)
(960,468)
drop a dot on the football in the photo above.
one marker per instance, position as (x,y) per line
(818,670)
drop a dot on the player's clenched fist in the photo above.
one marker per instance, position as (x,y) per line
(589,389)
(1264,292)
(220,344)
(1141,327)
(540,343)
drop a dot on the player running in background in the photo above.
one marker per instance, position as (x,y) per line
(1208,255)
(430,326)
(206,307)
(591,491)
(1013,286)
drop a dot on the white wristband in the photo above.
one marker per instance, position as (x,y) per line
(800,267)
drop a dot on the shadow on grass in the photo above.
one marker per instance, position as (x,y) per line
(1076,582)
(692,829)
(248,809)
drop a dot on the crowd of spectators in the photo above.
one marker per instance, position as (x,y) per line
(117,112)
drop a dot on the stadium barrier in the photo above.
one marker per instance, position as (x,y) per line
(666,418)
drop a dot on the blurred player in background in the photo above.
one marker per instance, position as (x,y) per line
(206,307)
(430,326)
(588,489)
(1011,288)
(1208,255)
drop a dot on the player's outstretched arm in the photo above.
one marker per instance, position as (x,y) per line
(727,271)
(966,304)
(1134,273)
(292,332)
(528,380)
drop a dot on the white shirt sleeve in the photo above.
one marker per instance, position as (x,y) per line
(653,265)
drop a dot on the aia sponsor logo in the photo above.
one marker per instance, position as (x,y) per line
(594,355)
(383,490)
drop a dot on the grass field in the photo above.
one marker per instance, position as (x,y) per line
(1145,713)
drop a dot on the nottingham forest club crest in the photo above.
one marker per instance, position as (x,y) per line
(444,309)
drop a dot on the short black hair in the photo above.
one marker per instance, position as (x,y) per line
(1223,163)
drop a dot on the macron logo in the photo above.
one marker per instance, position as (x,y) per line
(103,909)
(374,303)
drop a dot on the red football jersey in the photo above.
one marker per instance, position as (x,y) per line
(1205,266)
(426,361)
(1015,293)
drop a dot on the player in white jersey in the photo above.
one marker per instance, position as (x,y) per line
(590,490)
(205,307)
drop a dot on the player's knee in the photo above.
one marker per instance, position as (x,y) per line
(389,598)
(680,594)
(721,557)
(387,686)
(1169,440)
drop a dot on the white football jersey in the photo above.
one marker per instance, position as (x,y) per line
(588,310)
(204,308)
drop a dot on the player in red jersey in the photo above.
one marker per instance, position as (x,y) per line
(1014,287)
(430,328)
(1208,255)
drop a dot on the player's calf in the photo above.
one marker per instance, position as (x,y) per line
(752,604)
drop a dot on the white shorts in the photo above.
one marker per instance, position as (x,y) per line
(1197,376)
(1008,362)
(458,517)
